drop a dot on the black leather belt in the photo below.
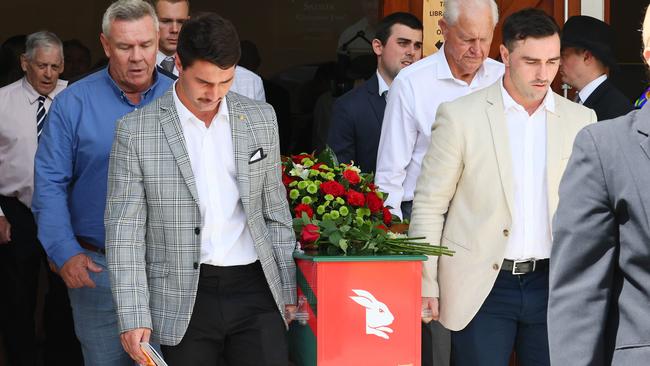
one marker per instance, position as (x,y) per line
(86,245)
(519,267)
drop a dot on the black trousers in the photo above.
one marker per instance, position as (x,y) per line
(235,322)
(20,264)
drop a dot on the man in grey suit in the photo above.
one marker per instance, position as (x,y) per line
(199,237)
(600,263)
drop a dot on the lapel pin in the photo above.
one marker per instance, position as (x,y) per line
(241,117)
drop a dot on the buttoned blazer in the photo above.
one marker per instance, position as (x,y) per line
(355,125)
(600,263)
(153,218)
(608,102)
(464,195)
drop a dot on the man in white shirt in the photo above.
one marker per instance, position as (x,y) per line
(488,190)
(587,57)
(459,68)
(198,231)
(171,15)
(23,110)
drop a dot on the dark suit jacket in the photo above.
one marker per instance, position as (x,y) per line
(600,259)
(355,126)
(608,102)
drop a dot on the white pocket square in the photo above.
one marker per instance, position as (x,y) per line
(257,156)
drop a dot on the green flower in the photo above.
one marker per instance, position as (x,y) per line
(307,163)
(329,197)
(314,173)
(302,184)
(312,189)
(334,215)
(330,176)
(306,200)
(320,210)
(294,193)
(293,184)
(358,221)
(327,216)
(340,201)
(344,211)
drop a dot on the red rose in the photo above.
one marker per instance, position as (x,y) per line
(372,187)
(309,234)
(303,208)
(316,166)
(286,179)
(355,198)
(298,158)
(352,176)
(374,202)
(336,189)
(382,227)
(387,216)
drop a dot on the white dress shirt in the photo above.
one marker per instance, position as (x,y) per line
(589,88)
(382,85)
(18,140)
(248,84)
(530,236)
(225,237)
(160,57)
(413,100)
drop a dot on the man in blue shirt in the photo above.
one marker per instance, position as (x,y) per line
(72,165)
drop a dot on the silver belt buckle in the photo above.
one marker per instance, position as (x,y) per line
(515,262)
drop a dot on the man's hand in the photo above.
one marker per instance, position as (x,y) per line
(75,271)
(430,303)
(5,230)
(131,343)
(290,312)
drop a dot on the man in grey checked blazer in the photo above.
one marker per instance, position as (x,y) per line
(171,277)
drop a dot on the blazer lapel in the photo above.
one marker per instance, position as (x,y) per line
(499,128)
(171,126)
(377,102)
(240,130)
(640,160)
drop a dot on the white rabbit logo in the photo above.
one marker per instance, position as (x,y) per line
(378,317)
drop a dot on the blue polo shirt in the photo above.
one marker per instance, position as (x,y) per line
(71,165)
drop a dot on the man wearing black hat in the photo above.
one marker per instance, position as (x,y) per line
(587,56)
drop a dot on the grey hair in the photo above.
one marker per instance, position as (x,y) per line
(42,39)
(453,9)
(127,10)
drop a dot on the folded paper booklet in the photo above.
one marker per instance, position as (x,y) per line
(153,358)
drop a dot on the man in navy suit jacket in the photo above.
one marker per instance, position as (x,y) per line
(587,56)
(355,126)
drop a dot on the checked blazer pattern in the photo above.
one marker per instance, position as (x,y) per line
(153,218)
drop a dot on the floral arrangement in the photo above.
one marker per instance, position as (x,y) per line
(338,210)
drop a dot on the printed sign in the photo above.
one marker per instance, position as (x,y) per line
(432,12)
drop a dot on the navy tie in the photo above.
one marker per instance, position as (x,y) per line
(40,115)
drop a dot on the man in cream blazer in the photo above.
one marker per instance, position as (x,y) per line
(488,190)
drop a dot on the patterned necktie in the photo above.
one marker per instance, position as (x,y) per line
(168,64)
(40,115)
(577,99)
(385,94)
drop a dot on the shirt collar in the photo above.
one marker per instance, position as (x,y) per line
(508,103)
(184,114)
(589,88)
(32,94)
(444,71)
(160,57)
(121,93)
(383,86)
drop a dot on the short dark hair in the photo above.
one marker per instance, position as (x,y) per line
(529,22)
(384,27)
(209,37)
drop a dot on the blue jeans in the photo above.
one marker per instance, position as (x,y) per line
(513,316)
(95,320)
